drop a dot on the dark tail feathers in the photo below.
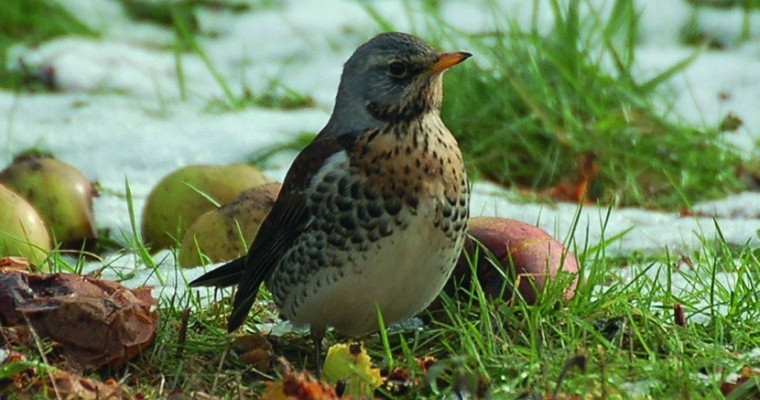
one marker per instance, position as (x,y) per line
(227,275)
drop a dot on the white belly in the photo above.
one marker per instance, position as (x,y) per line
(398,274)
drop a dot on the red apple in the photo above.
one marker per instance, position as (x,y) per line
(529,258)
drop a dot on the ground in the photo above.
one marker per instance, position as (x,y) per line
(127,112)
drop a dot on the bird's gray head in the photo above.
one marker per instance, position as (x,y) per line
(393,77)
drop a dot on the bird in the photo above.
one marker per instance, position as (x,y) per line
(372,214)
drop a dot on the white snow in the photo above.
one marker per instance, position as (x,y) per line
(118,115)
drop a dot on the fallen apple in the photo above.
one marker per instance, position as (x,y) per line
(217,233)
(22,231)
(60,193)
(180,198)
(528,258)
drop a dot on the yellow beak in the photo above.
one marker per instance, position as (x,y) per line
(448,60)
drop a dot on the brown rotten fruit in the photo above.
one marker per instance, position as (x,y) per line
(216,233)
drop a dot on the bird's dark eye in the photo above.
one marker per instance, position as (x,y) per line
(397,69)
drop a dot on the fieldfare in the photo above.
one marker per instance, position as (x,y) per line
(372,214)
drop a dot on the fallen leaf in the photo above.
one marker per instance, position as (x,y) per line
(351,365)
(730,123)
(19,263)
(576,190)
(679,315)
(96,322)
(29,383)
(259,359)
(247,343)
(747,382)
(299,386)
(426,362)
(399,382)
(72,386)
(255,350)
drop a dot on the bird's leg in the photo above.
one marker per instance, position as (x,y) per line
(317,334)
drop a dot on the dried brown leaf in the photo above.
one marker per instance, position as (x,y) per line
(96,322)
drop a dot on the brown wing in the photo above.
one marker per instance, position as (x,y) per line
(288,218)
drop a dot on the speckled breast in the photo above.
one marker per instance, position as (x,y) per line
(386,231)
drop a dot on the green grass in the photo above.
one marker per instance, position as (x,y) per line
(530,108)
(182,16)
(616,338)
(163,12)
(693,33)
(746,4)
(624,329)
(31,22)
(526,108)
